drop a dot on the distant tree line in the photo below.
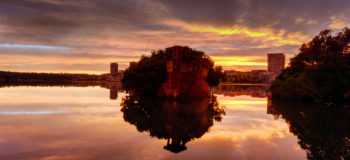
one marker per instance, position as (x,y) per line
(20,78)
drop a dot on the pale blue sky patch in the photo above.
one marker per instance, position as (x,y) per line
(31,46)
(31,112)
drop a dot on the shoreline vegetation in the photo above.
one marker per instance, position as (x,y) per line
(320,72)
(14,78)
(8,79)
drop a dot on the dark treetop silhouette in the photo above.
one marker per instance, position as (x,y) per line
(320,72)
(323,130)
(177,121)
(173,72)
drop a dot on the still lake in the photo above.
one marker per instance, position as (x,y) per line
(87,123)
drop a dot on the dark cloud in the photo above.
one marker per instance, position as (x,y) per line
(293,15)
(45,21)
(55,21)
(224,12)
(134,27)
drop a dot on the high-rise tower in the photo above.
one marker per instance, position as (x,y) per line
(114,69)
(276,63)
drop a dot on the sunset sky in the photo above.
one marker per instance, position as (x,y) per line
(86,35)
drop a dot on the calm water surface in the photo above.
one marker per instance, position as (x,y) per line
(84,123)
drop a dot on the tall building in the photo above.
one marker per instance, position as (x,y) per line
(276,63)
(114,69)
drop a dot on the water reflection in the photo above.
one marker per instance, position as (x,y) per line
(257,90)
(176,121)
(323,130)
(231,90)
(83,123)
(114,87)
(113,93)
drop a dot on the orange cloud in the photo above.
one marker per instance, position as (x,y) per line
(339,22)
(269,36)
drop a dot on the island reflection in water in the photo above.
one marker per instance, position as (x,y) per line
(83,123)
(177,121)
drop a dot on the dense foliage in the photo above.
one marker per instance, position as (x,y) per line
(150,72)
(320,72)
(215,75)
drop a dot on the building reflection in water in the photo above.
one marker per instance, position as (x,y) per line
(114,88)
(258,91)
(176,121)
(113,93)
(323,130)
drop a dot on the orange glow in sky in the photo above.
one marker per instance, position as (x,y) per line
(236,34)
(227,61)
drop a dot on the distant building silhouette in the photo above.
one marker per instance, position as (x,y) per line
(275,66)
(258,91)
(254,76)
(114,76)
(114,69)
(275,63)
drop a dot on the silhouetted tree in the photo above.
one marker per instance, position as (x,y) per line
(150,72)
(321,70)
(215,75)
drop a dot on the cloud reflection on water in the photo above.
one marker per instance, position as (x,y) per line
(93,128)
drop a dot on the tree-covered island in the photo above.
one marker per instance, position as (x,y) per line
(174,72)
